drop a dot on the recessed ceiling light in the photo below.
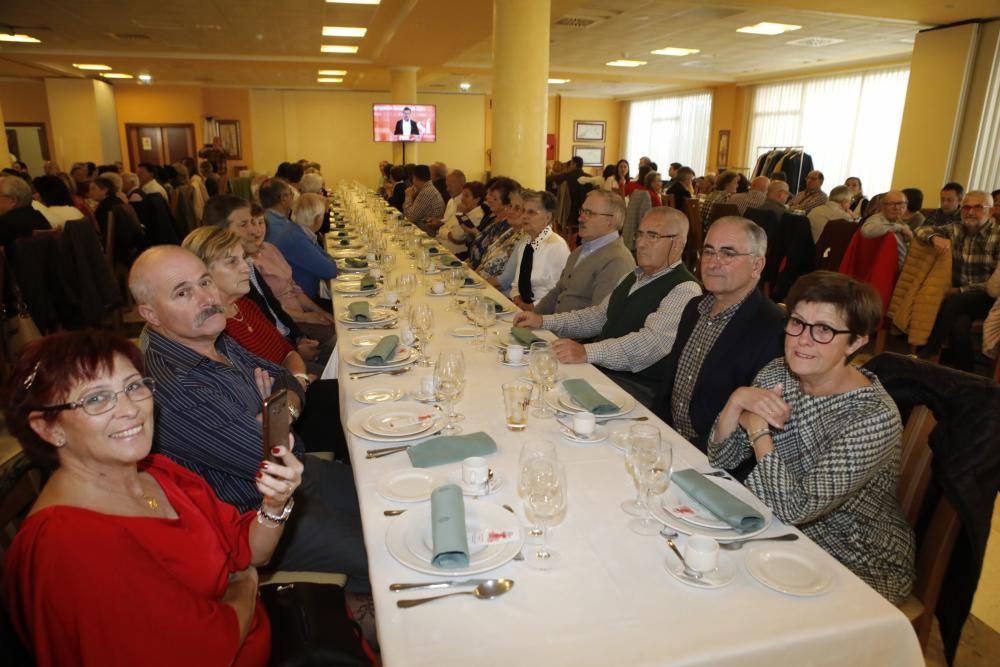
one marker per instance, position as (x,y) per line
(625,63)
(92,67)
(329,79)
(675,51)
(338,48)
(465,85)
(353,2)
(332,72)
(766,28)
(343,31)
(557,81)
(145,78)
(25,39)
(115,75)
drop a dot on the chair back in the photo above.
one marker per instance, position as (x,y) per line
(668,200)
(721,210)
(832,243)
(768,221)
(696,235)
(797,253)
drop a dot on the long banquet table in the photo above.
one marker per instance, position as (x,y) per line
(609,601)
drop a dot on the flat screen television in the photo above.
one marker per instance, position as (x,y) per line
(404,122)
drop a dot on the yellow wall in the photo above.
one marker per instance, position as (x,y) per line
(153,105)
(80,133)
(25,102)
(335,129)
(572,109)
(730,111)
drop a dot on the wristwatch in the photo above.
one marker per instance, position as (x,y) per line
(275,520)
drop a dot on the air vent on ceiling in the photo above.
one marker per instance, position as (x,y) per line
(586,18)
(815,42)
(696,63)
(575,22)
(128,36)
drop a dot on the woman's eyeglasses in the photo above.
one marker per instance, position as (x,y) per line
(105,400)
(821,333)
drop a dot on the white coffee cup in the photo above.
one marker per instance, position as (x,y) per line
(437,287)
(427,385)
(515,353)
(391,298)
(701,553)
(475,471)
(584,423)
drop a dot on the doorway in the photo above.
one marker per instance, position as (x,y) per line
(159,144)
(30,144)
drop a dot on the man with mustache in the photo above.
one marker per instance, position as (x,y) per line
(725,336)
(208,409)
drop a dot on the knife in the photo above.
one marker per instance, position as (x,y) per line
(437,584)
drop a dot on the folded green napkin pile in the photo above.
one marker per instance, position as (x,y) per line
(433,250)
(345,242)
(589,398)
(383,351)
(450,543)
(450,448)
(740,516)
(447,260)
(360,311)
(368,282)
(524,336)
(356,263)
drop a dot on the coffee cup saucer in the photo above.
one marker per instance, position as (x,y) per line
(509,364)
(600,434)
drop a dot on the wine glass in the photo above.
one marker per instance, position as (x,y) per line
(485,315)
(422,259)
(422,322)
(652,459)
(534,449)
(545,500)
(543,366)
(454,280)
(406,284)
(449,380)
(634,507)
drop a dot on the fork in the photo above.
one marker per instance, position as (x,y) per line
(368,374)
(736,546)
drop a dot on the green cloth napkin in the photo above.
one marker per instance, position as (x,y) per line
(496,306)
(368,281)
(450,543)
(450,261)
(340,233)
(383,351)
(356,263)
(588,398)
(345,242)
(470,281)
(450,448)
(360,311)
(718,501)
(524,336)
(433,250)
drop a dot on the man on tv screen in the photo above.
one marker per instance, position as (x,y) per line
(405,126)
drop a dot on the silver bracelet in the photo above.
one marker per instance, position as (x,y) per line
(275,520)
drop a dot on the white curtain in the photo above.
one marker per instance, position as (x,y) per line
(849,123)
(670,129)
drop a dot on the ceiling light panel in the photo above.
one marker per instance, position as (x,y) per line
(338,48)
(329,79)
(558,81)
(332,72)
(343,31)
(18,37)
(766,28)
(115,75)
(92,67)
(675,51)
(625,63)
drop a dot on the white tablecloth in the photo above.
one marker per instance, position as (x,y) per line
(609,601)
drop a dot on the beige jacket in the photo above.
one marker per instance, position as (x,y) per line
(922,286)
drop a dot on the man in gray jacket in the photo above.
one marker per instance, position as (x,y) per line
(598,264)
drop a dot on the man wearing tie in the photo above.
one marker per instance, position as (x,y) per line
(405,126)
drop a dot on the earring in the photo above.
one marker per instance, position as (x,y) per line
(60,441)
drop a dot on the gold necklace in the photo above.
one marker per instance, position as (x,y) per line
(238,316)
(151,502)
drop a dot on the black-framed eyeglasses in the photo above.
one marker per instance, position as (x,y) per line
(105,400)
(724,255)
(653,236)
(973,207)
(821,333)
(588,212)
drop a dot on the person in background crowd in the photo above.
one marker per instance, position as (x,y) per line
(454,182)
(423,201)
(542,255)
(147,171)
(837,207)
(622,176)
(754,197)
(56,201)
(890,219)
(914,202)
(949,212)
(494,226)
(813,195)
(439,176)
(725,187)
(129,236)
(468,216)
(396,187)
(859,202)
(212,180)
(777,195)
(81,179)
(17,217)
(639,182)
(682,187)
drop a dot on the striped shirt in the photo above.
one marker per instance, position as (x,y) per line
(206,412)
(426,203)
(974,255)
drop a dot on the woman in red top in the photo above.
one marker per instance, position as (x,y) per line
(223,254)
(127,558)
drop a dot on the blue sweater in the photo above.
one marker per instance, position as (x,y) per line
(309,264)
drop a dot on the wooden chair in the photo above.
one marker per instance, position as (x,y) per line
(722,210)
(832,244)
(935,547)
(692,251)
(668,200)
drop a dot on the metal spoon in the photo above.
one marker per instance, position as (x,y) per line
(489,589)
(736,546)
(393,512)
(622,419)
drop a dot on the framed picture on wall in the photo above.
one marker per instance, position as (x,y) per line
(229,132)
(722,152)
(588,130)
(593,156)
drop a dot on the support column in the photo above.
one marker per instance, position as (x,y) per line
(520,89)
(403,82)
(4,148)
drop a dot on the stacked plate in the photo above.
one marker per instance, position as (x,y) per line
(353,288)
(403,421)
(684,514)
(347,268)
(376,317)
(403,356)
(560,400)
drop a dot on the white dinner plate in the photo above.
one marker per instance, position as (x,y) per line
(682,506)
(409,485)
(348,277)
(354,289)
(789,569)
(355,423)
(722,575)
(409,540)
(560,400)
(366,340)
(502,339)
(401,357)
(378,395)
(400,422)
(465,331)
(376,315)
(342,266)
(723,535)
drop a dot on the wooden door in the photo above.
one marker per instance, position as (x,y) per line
(178,143)
(159,144)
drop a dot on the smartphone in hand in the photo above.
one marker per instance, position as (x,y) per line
(276,423)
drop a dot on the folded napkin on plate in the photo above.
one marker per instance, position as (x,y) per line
(524,336)
(345,242)
(340,233)
(433,250)
(360,311)
(368,281)
(450,261)
(450,544)
(383,351)
(588,398)
(356,263)
(470,281)
(496,305)
(450,448)
(718,501)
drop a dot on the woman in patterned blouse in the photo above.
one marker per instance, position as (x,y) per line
(493,226)
(826,435)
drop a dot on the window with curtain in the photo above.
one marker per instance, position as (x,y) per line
(670,129)
(848,123)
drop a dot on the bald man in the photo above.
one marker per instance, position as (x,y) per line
(209,393)
(777,196)
(890,218)
(634,328)
(752,198)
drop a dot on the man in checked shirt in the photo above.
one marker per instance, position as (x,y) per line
(974,244)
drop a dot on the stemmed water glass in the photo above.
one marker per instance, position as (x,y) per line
(454,280)
(485,315)
(449,380)
(422,259)
(406,284)
(543,366)
(543,481)
(652,459)
(422,322)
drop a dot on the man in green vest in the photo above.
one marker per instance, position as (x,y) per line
(633,330)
